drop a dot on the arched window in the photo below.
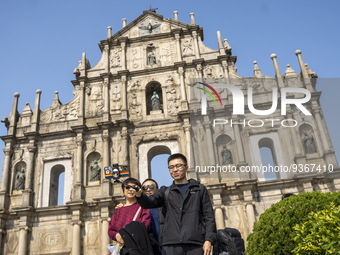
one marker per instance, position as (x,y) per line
(158,165)
(268,158)
(55,184)
(154,97)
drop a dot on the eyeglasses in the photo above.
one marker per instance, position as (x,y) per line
(136,188)
(150,186)
(179,166)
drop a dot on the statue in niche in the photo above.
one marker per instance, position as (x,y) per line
(95,171)
(226,156)
(156,104)
(309,143)
(152,59)
(21,177)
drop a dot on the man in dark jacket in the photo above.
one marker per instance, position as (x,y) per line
(189,224)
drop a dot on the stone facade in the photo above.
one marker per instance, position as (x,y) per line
(113,119)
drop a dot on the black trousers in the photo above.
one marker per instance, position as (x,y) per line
(182,249)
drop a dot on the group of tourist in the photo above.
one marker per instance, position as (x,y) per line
(172,220)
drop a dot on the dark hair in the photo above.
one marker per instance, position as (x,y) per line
(149,179)
(178,155)
(131,180)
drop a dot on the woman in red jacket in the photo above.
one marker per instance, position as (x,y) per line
(130,211)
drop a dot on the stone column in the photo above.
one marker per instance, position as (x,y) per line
(250,216)
(219,218)
(178,47)
(5,170)
(106,92)
(78,180)
(123,46)
(125,146)
(29,178)
(209,140)
(197,49)
(239,145)
(181,78)
(105,237)
(22,247)
(81,115)
(106,147)
(124,94)
(321,129)
(76,238)
(186,126)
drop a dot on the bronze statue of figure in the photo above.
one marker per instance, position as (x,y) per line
(226,156)
(21,177)
(156,103)
(95,171)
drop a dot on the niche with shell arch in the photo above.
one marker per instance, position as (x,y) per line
(94,167)
(308,139)
(19,176)
(152,90)
(224,149)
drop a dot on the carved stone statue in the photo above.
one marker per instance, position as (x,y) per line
(95,171)
(226,156)
(152,59)
(309,143)
(21,177)
(156,104)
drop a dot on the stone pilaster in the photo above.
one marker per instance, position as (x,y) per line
(239,144)
(23,244)
(27,193)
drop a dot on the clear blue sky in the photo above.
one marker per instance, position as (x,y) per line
(42,41)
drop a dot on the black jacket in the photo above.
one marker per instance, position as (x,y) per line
(189,219)
(136,239)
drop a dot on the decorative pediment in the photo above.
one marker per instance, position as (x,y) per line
(149,23)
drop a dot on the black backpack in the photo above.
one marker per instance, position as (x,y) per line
(229,242)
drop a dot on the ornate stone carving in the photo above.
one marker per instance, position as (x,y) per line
(116,96)
(134,106)
(52,240)
(148,27)
(115,57)
(95,103)
(166,54)
(187,47)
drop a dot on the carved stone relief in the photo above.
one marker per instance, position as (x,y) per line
(135,108)
(11,244)
(92,238)
(149,27)
(53,240)
(115,57)
(116,96)
(167,54)
(187,47)
(136,58)
(95,103)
